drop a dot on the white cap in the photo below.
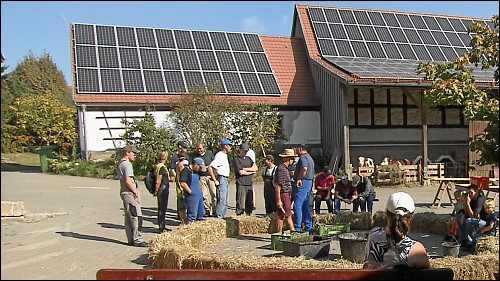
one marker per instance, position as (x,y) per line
(400,203)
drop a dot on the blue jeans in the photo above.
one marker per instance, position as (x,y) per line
(222,197)
(336,204)
(471,225)
(301,211)
(364,203)
(195,209)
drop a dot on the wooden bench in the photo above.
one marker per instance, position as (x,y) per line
(275,274)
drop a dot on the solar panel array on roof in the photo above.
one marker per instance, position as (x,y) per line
(388,44)
(116,59)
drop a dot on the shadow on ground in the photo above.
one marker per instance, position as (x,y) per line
(14,167)
(89,237)
(142,260)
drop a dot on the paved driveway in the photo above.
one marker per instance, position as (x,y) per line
(86,233)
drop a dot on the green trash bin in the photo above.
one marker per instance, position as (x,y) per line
(46,152)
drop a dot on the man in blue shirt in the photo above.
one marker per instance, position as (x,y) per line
(303,175)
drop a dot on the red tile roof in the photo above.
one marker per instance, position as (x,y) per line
(288,59)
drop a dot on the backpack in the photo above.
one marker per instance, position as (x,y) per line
(150,178)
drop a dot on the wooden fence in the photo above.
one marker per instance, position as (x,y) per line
(381,174)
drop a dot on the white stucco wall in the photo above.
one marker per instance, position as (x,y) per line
(298,127)
(301,127)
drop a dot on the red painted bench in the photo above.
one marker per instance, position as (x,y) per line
(275,274)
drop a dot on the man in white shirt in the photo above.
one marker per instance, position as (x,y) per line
(221,165)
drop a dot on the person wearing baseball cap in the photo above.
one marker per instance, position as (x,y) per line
(189,180)
(244,169)
(366,194)
(390,246)
(344,192)
(178,161)
(220,165)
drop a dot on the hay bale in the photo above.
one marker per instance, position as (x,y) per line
(470,267)
(429,222)
(379,219)
(487,245)
(280,262)
(324,218)
(237,225)
(426,222)
(202,233)
(358,220)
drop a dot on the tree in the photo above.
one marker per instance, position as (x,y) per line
(148,138)
(37,108)
(206,116)
(453,84)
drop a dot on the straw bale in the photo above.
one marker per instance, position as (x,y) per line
(201,233)
(379,219)
(280,262)
(327,218)
(238,225)
(358,220)
(429,222)
(487,245)
(470,267)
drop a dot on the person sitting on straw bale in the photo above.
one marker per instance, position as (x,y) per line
(345,192)
(324,183)
(390,246)
(486,227)
(366,194)
(474,214)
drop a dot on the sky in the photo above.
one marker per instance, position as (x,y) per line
(43,26)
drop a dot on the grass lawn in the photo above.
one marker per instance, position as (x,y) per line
(27,159)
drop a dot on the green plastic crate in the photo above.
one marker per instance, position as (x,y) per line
(287,234)
(332,229)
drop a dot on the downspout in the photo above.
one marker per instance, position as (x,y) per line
(82,132)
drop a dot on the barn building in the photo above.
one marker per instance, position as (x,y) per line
(344,82)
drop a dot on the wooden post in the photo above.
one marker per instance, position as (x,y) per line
(425,178)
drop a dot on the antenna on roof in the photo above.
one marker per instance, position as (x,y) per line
(64,18)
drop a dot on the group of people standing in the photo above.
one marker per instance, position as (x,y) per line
(202,185)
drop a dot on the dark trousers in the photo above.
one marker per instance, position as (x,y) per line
(269,197)
(317,203)
(162,200)
(244,199)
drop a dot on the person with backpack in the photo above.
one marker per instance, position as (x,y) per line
(267,173)
(161,190)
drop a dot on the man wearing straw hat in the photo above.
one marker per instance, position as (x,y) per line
(283,188)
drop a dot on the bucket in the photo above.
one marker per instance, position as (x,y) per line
(450,247)
(352,245)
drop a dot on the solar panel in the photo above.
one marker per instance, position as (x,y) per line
(111,80)
(154,81)
(108,57)
(149,59)
(122,59)
(106,35)
(387,36)
(86,56)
